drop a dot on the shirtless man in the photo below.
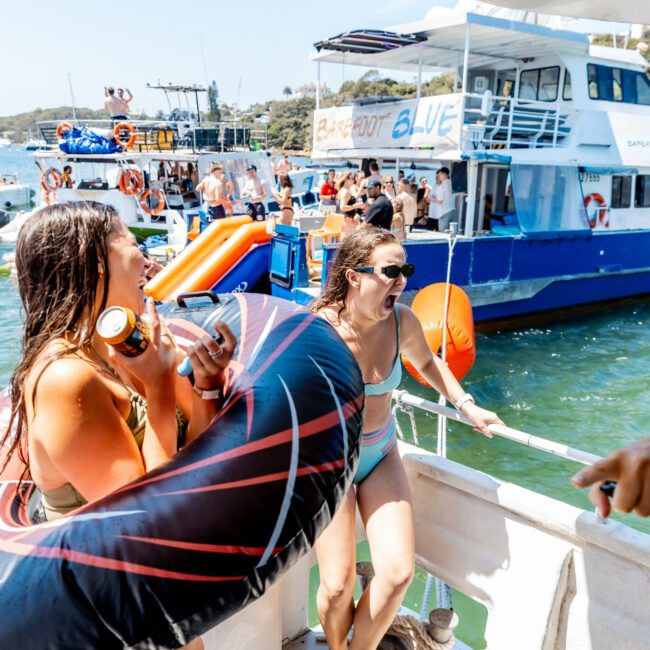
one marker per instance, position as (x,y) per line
(257,191)
(212,187)
(121,95)
(115,106)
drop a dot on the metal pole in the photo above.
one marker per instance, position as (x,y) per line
(502,431)
(317,85)
(472,181)
(419,88)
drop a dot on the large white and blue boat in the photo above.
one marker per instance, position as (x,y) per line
(548,141)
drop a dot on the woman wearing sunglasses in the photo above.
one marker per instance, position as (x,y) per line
(367,278)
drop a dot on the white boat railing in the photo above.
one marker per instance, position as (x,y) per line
(499,122)
(404,398)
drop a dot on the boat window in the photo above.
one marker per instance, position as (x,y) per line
(618,84)
(621,191)
(567,91)
(642,192)
(593,81)
(548,198)
(540,84)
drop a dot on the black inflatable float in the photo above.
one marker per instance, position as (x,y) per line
(167,557)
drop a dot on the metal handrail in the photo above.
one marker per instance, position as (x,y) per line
(520,437)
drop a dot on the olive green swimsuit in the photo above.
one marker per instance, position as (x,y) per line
(65,499)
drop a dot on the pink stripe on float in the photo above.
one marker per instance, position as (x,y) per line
(259,480)
(203,548)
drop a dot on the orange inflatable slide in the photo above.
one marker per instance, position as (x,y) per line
(208,258)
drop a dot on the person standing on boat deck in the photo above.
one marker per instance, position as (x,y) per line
(284,199)
(283,167)
(348,205)
(380,213)
(124,100)
(388,186)
(66,177)
(630,466)
(113,105)
(212,188)
(409,206)
(89,419)
(443,198)
(373,168)
(328,192)
(257,191)
(358,190)
(367,277)
(422,201)
(397,224)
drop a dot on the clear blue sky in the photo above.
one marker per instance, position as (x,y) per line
(266,44)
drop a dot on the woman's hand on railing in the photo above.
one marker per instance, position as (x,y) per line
(481,418)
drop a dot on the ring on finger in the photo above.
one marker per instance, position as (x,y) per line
(216,354)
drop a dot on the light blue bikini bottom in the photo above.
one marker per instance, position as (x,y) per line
(375,446)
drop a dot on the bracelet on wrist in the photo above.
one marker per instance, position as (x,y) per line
(464,400)
(207,393)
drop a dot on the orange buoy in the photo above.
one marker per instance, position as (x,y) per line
(148,205)
(429,307)
(117,134)
(131,181)
(600,216)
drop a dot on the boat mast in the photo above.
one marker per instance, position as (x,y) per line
(74,112)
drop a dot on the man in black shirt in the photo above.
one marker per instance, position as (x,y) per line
(380,213)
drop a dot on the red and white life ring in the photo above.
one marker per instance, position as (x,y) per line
(601,215)
(131,181)
(144,201)
(62,129)
(51,179)
(117,134)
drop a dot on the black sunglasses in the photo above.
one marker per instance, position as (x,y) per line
(391,271)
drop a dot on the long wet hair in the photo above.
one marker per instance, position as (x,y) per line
(61,256)
(355,250)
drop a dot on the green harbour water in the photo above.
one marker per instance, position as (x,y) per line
(583,382)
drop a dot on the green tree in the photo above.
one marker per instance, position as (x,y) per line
(214,112)
(287,92)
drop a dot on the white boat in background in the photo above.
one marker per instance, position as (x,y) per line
(13,193)
(4,143)
(35,144)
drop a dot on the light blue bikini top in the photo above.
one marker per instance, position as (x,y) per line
(393,380)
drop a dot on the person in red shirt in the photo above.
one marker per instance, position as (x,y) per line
(328,193)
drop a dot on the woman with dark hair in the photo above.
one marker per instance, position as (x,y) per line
(85,418)
(284,199)
(348,204)
(367,277)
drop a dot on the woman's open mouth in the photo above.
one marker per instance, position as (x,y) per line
(390,301)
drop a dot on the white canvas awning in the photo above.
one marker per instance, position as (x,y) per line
(443,44)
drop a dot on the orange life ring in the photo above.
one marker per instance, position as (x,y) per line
(62,126)
(131,182)
(144,201)
(429,306)
(230,188)
(600,216)
(231,206)
(51,179)
(117,134)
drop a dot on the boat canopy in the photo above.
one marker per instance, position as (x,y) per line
(625,11)
(438,43)
(365,41)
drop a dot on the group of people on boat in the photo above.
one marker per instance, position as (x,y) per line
(400,206)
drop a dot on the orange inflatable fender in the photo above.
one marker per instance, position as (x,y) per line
(50,198)
(117,134)
(600,216)
(429,306)
(160,286)
(144,201)
(214,267)
(61,127)
(131,182)
(51,179)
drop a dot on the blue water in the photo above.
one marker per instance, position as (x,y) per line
(584,382)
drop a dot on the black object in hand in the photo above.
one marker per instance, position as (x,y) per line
(608,488)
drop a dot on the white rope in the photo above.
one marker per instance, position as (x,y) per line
(410,411)
(415,634)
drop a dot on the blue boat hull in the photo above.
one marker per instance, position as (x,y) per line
(507,277)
